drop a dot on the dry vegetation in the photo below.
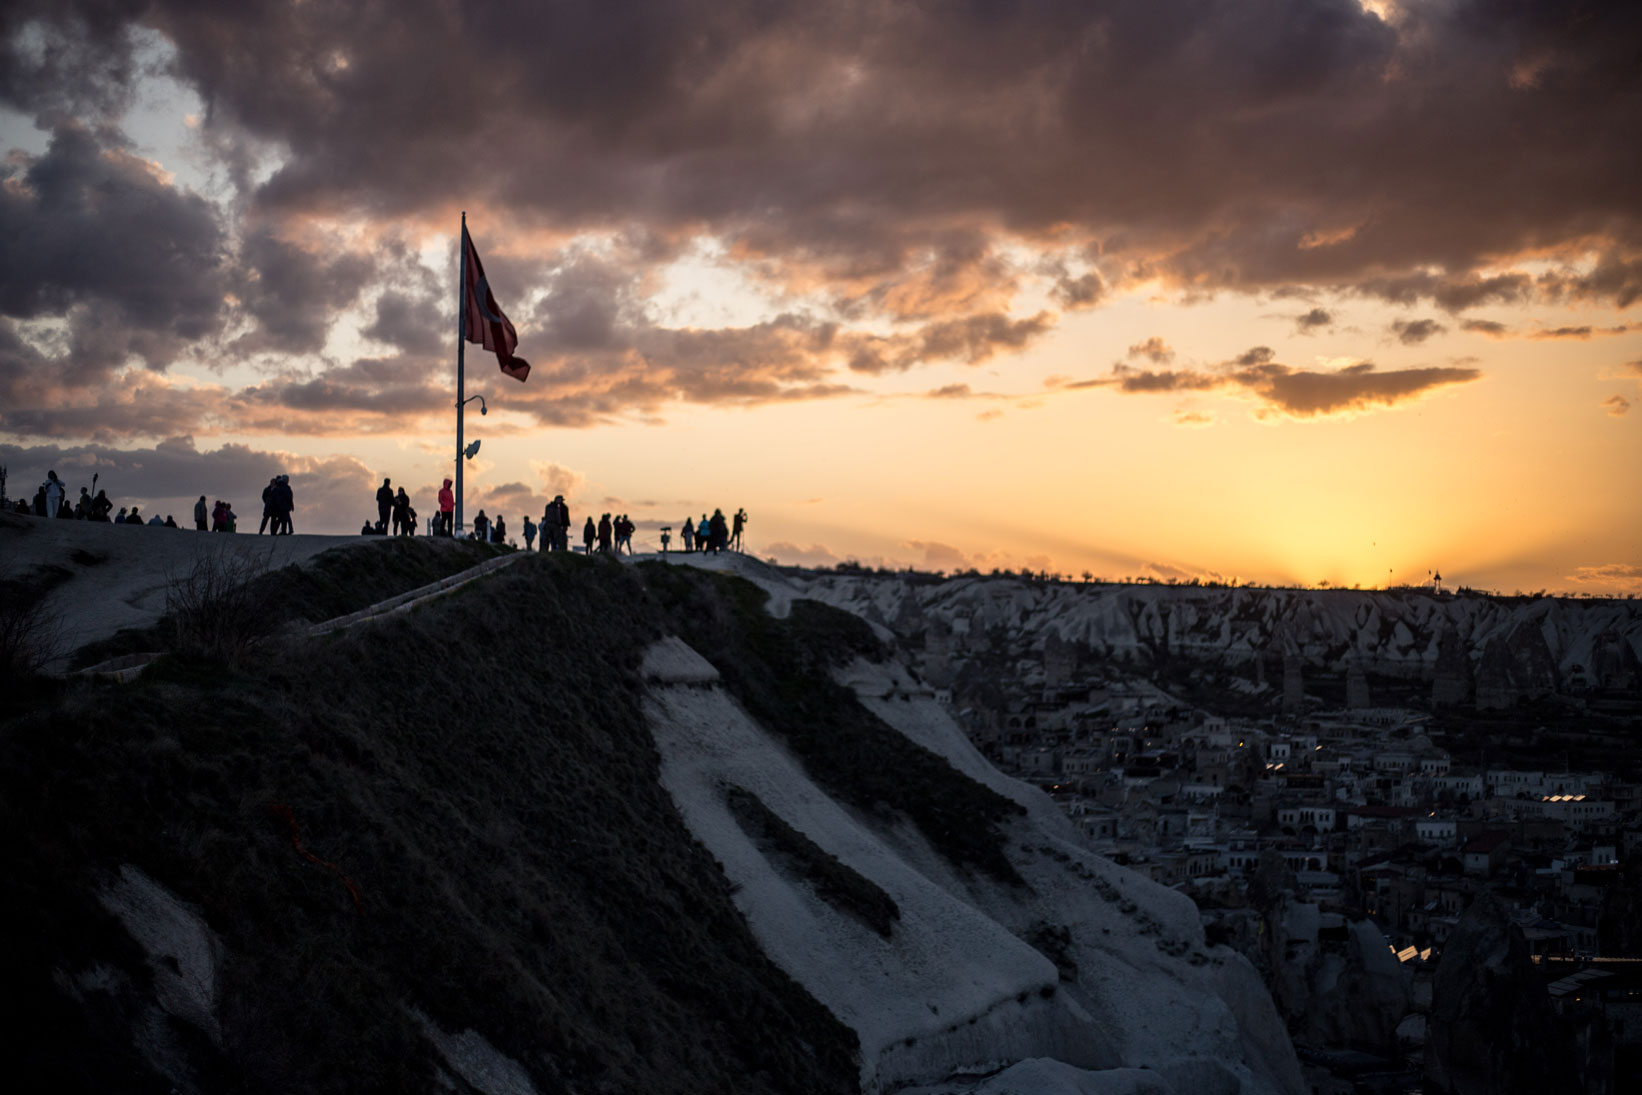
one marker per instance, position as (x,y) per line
(480,771)
(29,636)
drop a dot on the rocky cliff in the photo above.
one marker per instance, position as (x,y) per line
(1515,646)
(1492,1030)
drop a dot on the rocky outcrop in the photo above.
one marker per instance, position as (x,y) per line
(1334,980)
(1492,1030)
(1404,634)
(1514,667)
(1080,977)
(1619,923)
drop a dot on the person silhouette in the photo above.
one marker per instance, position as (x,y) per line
(384,502)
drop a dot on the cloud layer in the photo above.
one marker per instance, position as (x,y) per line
(905,179)
(1285,390)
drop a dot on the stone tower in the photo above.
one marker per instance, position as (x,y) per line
(1451,683)
(1357,697)
(1060,661)
(1294,684)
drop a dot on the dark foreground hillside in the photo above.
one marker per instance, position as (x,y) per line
(487,849)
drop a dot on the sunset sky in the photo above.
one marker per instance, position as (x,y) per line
(1287,291)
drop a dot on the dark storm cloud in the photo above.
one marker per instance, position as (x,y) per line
(971,340)
(1581,333)
(978,338)
(1129,379)
(856,137)
(1314,319)
(1412,332)
(369,394)
(293,293)
(414,326)
(90,225)
(1076,294)
(1154,349)
(909,166)
(1282,389)
(54,61)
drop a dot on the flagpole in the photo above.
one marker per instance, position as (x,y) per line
(461,340)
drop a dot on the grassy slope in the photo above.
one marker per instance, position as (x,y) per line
(482,771)
(332,584)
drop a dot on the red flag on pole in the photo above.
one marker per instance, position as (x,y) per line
(482,321)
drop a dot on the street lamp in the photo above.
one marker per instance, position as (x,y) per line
(463,451)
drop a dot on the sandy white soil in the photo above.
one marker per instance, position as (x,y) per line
(127,586)
(956,1000)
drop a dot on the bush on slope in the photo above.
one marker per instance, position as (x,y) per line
(331,584)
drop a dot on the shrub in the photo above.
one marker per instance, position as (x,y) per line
(29,635)
(219,609)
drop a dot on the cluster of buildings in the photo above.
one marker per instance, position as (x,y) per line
(1366,807)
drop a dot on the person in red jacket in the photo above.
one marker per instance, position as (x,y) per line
(447,509)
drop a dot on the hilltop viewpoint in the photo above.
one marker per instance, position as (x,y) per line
(425,816)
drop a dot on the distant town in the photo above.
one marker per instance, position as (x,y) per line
(1454,752)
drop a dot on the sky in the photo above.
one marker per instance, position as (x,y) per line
(1275,291)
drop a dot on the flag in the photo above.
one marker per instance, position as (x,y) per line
(482,321)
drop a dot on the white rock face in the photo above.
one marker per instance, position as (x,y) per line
(1390,632)
(471,1056)
(956,989)
(182,950)
(1040,1076)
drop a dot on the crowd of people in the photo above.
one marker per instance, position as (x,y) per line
(394,513)
(611,534)
(51,500)
(396,516)
(711,534)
